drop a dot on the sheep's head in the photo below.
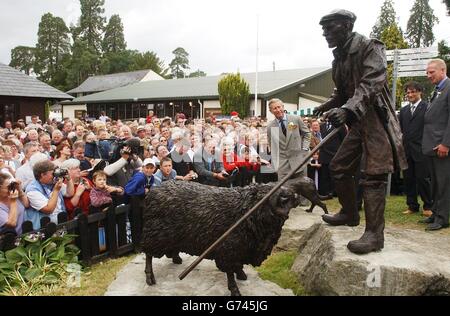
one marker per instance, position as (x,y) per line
(282,201)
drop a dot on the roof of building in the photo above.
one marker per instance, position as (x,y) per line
(269,83)
(15,83)
(111,81)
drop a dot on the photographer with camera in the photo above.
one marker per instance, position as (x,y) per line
(120,172)
(13,202)
(46,193)
(82,186)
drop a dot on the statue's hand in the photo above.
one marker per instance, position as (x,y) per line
(337,117)
(318,111)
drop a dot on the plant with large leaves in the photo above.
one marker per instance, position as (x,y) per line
(36,263)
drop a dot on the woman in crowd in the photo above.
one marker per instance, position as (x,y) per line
(13,202)
(80,200)
(62,152)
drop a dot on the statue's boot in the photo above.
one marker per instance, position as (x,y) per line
(346,192)
(374,203)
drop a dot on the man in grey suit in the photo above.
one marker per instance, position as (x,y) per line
(289,139)
(436,143)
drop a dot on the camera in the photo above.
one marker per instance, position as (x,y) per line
(60,173)
(13,186)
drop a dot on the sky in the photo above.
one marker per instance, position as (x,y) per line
(220,36)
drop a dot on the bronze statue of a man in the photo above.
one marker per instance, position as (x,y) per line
(362,101)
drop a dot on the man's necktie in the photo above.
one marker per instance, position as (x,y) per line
(412,107)
(319,136)
(283,127)
(434,94)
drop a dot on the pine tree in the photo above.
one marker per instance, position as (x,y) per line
(52,47)
(180,63)
(444,53)
(23,58)
(114,40)
(149,60)
(92,23)
(234,94)
(419,30)
(385,19)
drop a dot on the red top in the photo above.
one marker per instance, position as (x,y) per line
(232,162)
(83,204)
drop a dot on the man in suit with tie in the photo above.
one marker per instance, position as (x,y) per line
(436,144)
(289,139)
(417,177)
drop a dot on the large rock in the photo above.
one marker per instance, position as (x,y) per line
(411,263)
(204,280)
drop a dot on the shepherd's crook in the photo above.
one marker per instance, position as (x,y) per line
(254,208)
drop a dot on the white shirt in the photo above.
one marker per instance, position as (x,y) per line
(38,201)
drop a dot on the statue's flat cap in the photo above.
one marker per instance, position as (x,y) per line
(338,15)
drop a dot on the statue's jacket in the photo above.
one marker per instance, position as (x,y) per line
(360,75)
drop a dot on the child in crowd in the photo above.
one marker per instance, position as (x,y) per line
(140,183)
(165,172)
(101,192)
(314,169)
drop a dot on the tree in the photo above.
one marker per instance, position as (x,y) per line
(115,62)
(80,65)
(92,23)
(180,63)
(23,58)
(149,60)
(114,40)
(52,47)
(447,3)
(419,29)
(393,38)
(444,53)
(197,73)
(385,19)
(234,94)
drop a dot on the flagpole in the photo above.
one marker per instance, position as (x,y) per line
(257,53)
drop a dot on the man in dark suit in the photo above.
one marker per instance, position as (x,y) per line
(417,177)
(327,153)
(436,144)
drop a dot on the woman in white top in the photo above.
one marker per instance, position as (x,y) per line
(13,202)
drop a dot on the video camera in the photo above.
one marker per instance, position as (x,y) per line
(112,149)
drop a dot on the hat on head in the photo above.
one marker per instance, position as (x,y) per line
(148,161)
(339,14)
(140,128)
(234,113)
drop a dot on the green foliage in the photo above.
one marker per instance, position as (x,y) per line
(277,269)
(114,40)
(51,49)
(197,73)
(92,23)
(148,60)
(179,63)
(81,65)
(447,3)
(234,94)
(385,19)
(392,37)
(36,263)
(419,29)
(115,62)
(23,58)
(444,53)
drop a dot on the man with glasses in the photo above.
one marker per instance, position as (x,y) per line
(417,176)
(46,193)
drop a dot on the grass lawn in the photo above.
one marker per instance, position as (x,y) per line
(94,280)
(277,267)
